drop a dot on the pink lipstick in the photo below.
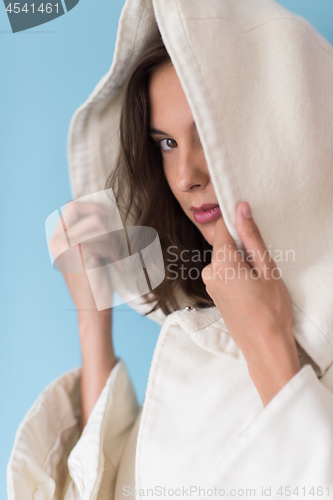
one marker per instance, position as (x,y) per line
(206,213)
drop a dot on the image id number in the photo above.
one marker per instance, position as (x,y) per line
(16,9)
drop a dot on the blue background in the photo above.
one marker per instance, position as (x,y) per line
(46,74)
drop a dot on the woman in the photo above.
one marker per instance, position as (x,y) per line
(231,397)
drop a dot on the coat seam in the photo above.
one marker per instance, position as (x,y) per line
(305,26)
(317,327)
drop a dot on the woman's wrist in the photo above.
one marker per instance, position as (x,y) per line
(98,357)
(272,365)
(95,330)
(89,321)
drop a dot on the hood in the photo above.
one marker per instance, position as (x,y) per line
(259,82)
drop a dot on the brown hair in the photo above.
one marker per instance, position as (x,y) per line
(142,191)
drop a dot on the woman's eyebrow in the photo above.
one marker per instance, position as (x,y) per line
(156,131)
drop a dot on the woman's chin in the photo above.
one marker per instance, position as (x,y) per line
(208,231)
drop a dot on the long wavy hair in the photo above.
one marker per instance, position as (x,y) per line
(144,197)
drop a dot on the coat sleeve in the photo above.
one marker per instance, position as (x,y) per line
(49,461)
(288,450)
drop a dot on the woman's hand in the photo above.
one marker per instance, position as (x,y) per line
(83,222)
(254,303)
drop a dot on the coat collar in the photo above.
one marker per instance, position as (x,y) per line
(206,328)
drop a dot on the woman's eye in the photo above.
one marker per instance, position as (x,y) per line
(166,144)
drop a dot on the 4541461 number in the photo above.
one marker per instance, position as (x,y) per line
(31,8)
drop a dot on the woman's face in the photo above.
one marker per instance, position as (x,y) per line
(173,128)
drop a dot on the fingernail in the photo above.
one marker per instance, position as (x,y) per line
(247,210)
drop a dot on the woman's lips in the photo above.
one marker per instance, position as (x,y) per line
(203,216)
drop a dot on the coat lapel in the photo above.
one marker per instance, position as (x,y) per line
(199,397)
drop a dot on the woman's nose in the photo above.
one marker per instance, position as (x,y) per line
(192,170)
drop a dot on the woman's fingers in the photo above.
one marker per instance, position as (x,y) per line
(227,261)
(87,228)
(74,222)
(75,210)
(258,254)
(223,246)
(225,257)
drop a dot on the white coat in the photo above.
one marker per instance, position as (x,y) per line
(259,82)
(202,425)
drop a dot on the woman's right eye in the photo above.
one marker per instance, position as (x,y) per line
(166,144)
